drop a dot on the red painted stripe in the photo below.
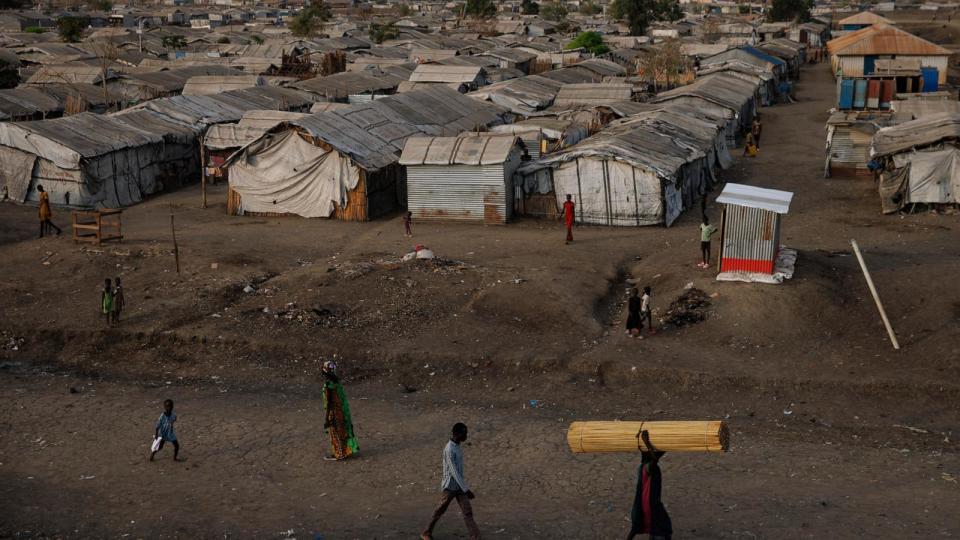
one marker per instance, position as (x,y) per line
(728,264)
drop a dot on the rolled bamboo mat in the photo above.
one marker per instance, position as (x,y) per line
(666,436)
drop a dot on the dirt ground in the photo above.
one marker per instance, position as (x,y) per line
(834,434)
(941,27)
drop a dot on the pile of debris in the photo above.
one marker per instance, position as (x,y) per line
(689,308)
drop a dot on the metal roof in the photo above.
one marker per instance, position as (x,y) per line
(523,95)
(883,39)
(372,134)
(438,73)
(349,83)
(593,94)
(721,88)
(919,108)
(773,200)
(864,17)
(464,150)
(510,54)
(203,85)
(916,133)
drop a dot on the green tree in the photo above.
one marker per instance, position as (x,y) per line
(481,9)
(554,11)
(101,5)
(224,40)
(790,10)
(589,8)
(404,10)
(173,42)
(257,39)
(35,30)
(592,42)
(71,28)
(382,32)
(529,7)
(308,21)
(639,14)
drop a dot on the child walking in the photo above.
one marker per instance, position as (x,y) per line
(106,301)
(407,222)
(118,303)
(164,430)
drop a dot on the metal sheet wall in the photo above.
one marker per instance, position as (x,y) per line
(849,148)
(750,239)
(459,193)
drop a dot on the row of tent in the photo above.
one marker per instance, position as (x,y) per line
(351,162)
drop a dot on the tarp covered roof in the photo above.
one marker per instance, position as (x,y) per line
(523,95)
(373,134)
(916,133)
(464,150)
(720,88)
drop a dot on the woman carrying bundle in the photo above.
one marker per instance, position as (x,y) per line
(338,423)
(648,515)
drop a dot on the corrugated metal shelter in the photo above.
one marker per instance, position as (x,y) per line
(592,94)
(750,227)
(717,93)
(642,170)
(471,76)
(351,86)
(145,86)
(855,54)
(920,160)
(68,74)
(525,95)
(849,134)
(862,20)
(343,163)
(205,85)
(467,178)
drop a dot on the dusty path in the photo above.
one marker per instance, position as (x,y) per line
(816,399)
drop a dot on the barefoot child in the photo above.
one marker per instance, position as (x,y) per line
(106,301)
(164,430)
(117,300)
(407,221)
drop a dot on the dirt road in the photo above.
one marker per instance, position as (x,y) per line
(834,434)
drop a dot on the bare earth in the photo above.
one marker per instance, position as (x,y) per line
(834,434)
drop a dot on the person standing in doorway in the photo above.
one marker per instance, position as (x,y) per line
(45,213)
(569,214)
(649,516)
(338,422)
(706,231)
(453,485)
(756,128)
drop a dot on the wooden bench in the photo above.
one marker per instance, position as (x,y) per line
(96,226)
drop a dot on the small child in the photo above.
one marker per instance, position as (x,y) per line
(106,301)
(164,430)
(407,221)
(645,311)
(117,300)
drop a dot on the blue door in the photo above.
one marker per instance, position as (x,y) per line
(869,64)
(860,94)
(846,94)
(931,79)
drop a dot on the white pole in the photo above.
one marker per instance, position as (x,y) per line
(876,297)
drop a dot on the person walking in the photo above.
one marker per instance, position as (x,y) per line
(338,423)
(706,231)
(645,311)
(756,128)
(453,485)
(118,302)
(648,515)
(163,431)
(634,322)
(45,212)
(107,301)
(569,213)
(407,222)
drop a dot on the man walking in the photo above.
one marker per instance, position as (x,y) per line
(568,216)
(453,485)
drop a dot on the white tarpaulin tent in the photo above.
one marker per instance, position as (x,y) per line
(282,173)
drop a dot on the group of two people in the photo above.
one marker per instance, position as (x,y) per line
(112,301)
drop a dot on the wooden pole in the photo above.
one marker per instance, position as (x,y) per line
(876,297)
(176,249)
(203,176)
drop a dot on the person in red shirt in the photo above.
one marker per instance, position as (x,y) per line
(568,214)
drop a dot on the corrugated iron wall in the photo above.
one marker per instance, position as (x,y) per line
(849,151)
(472,193)
(751,239)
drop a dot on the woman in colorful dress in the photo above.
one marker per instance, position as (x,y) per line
(338,423)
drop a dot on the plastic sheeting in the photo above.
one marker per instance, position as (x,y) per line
(626,196)
(285,174)
(16,172)
(934,176)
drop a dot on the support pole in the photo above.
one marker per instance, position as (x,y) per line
(876,297)
(203,176)
(176,249)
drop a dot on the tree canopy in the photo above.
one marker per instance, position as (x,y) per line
(71,28)
(639,14)
(173,42)
(382,32)
(590,8)
(529,7)
(553,11)
(592,42)
(308,21)
(790,10)
(481,9)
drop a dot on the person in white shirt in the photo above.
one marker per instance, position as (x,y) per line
(454,485)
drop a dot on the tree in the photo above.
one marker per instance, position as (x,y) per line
(790,10)
(107,53)
(173,42)
(592,42)
(71,28)
(382,32)
(404,10)
(480,9)
(554,11)
(664,65)
(639,14)
(711,30)
(529,7)
(224,40)
(589,8)
(308,21)
(101,5)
